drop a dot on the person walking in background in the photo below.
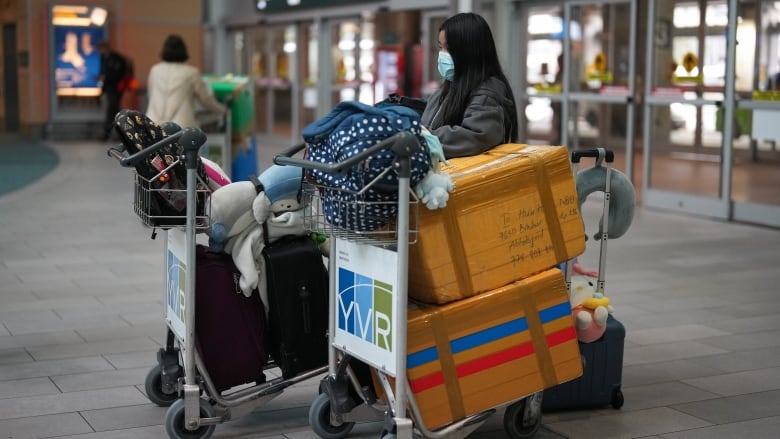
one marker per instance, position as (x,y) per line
(474,110)
(113,68)
(174,87)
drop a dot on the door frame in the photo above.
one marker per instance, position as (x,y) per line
(716,207)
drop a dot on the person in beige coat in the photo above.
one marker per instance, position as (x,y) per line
(176,87)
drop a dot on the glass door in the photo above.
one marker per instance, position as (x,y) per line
(540,94)
(431,22)
(273,55)
(353,47)
(579,79)
(687,98)
(756,165)
(599,77)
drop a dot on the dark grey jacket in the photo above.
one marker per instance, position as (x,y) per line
(483,125)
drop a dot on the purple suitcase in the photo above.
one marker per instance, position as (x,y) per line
(231,332)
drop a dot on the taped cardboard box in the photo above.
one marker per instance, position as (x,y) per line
(513,212)
(491,349)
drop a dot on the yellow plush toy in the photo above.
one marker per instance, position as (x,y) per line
(589,308)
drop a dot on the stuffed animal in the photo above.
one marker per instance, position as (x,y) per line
(434,189)
(238,212)
(590,310)
(230,212)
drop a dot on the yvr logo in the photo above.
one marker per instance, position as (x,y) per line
(365,308)
(176,275)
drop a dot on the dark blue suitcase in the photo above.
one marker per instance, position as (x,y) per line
(602,374)
(602,368)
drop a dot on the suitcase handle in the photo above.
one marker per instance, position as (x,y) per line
(598,153)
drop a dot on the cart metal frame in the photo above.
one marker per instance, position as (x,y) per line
(195,407)
(332,413)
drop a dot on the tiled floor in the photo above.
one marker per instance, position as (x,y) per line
(81,318)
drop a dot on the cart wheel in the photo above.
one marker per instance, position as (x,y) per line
(520,425)
(617,398)
(319,419)
(174,422)
(154,390)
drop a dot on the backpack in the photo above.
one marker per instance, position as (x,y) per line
(162,197)
(352,127)
(415,104)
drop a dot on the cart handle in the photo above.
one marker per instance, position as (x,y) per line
(599,153)
(404,144)
(190,138)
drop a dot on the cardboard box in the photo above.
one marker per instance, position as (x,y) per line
(491,349)
(513,212)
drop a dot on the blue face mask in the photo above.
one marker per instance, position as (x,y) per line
(446,65)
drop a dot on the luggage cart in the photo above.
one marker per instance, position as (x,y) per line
(380,255)
(219,144)
(180,381)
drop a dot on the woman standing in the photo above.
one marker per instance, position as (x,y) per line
(175,87)
(474,110)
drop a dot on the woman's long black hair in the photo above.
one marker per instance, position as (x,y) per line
(473,50)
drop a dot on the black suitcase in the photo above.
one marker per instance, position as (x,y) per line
(297,304)
(231,334)
(602,368)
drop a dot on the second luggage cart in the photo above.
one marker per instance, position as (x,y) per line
(199,397)
(368,310)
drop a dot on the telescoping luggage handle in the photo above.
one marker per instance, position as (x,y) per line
(601,155)
(403,144)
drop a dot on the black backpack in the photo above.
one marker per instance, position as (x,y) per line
(160,197)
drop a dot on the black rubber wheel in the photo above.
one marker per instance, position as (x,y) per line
(617,398)
(319,419)
(174,422)
(154,390)
(516,425)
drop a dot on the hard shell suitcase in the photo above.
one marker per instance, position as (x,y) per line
(297,303)
(231,333)
(602,374)
(602,371)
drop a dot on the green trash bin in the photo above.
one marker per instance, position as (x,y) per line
(240,90)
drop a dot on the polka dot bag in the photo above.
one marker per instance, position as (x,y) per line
(352,127)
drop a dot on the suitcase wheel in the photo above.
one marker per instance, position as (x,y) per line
(617,398)
(322,421)
(523,418)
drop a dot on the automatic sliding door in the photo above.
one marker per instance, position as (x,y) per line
(686,142)
(756,168)
(599,67)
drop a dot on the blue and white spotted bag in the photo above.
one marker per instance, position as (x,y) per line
(352,127)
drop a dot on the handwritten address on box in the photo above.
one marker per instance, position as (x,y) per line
(524,231)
